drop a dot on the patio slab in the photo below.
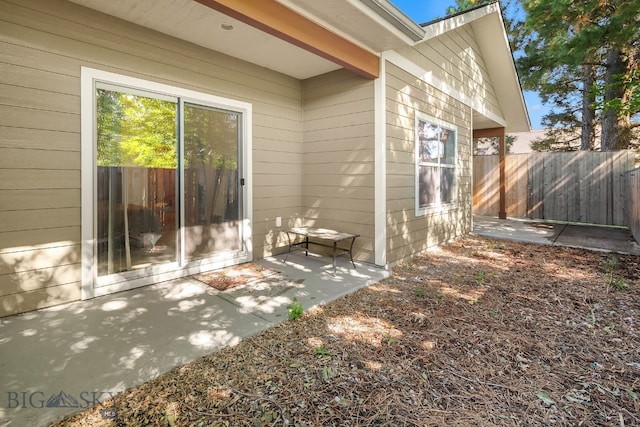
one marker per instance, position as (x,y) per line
(584,236)
(57,361)
(608,239)
(520,230)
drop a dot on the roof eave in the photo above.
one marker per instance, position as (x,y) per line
(396,18)
(449,23)
(509,89)
(488,26)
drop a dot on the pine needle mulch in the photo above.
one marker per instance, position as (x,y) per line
(479,332)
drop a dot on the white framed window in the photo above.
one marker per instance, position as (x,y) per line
(436,144)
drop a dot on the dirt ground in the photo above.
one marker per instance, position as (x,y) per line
(477,333)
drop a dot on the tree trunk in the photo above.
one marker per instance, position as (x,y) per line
(613,121)
(588,136)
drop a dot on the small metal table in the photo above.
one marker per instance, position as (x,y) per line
(333,238)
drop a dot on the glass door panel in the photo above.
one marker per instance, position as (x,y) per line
(212,204)
(136,181)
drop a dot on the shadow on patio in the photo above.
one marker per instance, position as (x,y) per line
(57,361)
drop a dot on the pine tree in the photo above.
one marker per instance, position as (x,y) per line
(581,56)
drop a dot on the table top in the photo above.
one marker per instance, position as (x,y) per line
(322,233)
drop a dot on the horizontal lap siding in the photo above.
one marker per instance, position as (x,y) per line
(43,44)
(406,233)
(455,59)
(338,159)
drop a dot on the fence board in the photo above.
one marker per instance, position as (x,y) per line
(617,177)
(517,188)
(486,185)
(603,167)
(633,202)
(580,186)
(549,190)
(593,174)
(573,190)
(624,162)
(562,176)
(584,187)
(535,204)
(609,186)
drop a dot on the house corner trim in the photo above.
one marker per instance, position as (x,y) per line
(380,138)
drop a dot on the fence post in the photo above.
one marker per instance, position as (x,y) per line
(501,134)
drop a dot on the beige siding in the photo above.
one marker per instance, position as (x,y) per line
(23,200)
(43,44)
(338,158)
(455,59)
(406,233)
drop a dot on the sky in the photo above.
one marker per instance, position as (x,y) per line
(422,11)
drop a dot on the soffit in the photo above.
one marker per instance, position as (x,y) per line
(193,22)
(374,25)
(481,121)
(285,23)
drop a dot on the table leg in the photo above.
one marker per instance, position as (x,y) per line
(289,239)
(335,245)
(351,251)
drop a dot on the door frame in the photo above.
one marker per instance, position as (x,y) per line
(131,280)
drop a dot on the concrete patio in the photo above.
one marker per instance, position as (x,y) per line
(57,361)
(585,236)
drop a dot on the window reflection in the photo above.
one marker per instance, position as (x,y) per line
(136,181)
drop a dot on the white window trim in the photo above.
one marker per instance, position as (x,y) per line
(440,207)
(88,79)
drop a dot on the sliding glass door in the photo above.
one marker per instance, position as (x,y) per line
(168,183)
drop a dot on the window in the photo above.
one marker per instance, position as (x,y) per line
(435,144)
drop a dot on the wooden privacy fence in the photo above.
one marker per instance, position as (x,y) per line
(633,203)
(583,186)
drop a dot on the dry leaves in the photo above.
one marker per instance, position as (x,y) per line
(478,332)
(236,276)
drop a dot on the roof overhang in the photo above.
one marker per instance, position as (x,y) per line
(286,24)
(299,38)
(305,38)
(488,27)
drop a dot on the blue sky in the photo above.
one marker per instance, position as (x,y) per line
(422,11)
